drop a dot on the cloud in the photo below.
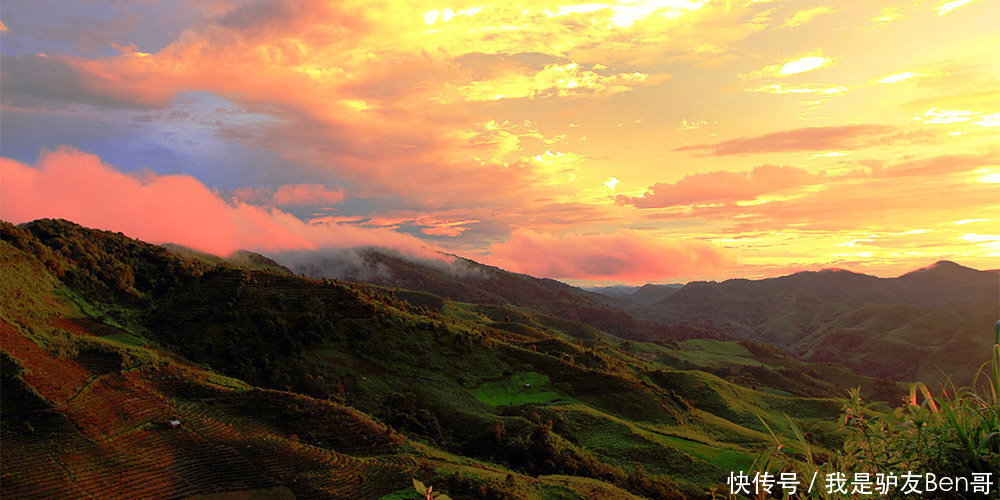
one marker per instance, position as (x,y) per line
(880,196)
(809,62)
(909,75)
(695,124)
(553,80)
(721,187)
(41,80)
(449,223)
(804,16)
(290,195)
(379,100)
(450,228)
(800,89)
(306,195)
(946,7)
(887,14)
(945,116)
(77,186)
(844,137)
(360,263)
(626,256)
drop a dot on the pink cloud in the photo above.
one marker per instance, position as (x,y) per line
(626,256)
(77,186)
(306,195)
(847,137)
(720,187)
(447,228)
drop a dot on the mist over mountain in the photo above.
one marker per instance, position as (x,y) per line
(361,264)
(468,281)
(903,328)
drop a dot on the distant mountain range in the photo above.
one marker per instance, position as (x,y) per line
(468,281)
(920,325)
(645,295)
(902,328)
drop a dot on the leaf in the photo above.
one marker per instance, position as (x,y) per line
(768,427)
(420,487)
(801,438)
(928,399)
(985,441)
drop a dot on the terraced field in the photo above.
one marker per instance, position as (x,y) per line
(106,436)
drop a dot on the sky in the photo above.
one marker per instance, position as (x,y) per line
(596,143)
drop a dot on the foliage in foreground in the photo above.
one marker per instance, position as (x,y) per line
(953,435)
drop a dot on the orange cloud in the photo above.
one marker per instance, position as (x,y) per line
(945,188)
(378,92)
(626,256)
(720,187)
(170,208)
(844,137)
(442,223)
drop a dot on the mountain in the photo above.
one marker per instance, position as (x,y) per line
(906,328)
(648,295)
(285,386)
(946,283)
(468,281)
(911,327)
(612,291)
(240,258)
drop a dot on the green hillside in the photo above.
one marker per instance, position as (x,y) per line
(926,325)
(288,386)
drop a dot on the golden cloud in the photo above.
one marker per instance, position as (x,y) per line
(553,80)
(803,64)
(804,16)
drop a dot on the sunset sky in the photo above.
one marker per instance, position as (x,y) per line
(621,142)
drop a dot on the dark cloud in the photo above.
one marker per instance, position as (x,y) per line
(31,81)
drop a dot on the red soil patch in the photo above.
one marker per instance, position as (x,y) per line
(55,379)
(85,326)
